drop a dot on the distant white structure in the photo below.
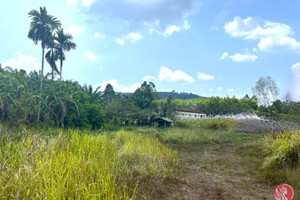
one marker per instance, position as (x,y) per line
(189,114)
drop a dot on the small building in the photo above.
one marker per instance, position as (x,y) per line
(164,122)
(189,114)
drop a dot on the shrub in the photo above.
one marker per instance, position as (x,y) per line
(282,149)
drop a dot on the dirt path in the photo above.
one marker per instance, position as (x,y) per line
(217,171)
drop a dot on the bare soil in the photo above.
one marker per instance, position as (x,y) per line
(219,172)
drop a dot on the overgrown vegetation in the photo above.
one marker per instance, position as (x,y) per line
(212,124)
(72,165)
(282,153)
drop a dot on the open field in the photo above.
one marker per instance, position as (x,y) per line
(201,160)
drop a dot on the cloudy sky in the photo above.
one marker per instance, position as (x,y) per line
(208,47)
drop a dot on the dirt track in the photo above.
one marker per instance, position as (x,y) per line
(217,171)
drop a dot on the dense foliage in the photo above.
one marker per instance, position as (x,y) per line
(68,104)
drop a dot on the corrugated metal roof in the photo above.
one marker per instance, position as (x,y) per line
(165,119)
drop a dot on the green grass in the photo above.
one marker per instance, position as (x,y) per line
(81,166)
(212,124)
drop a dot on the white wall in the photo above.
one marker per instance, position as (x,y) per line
(189,115)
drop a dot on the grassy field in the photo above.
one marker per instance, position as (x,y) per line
(77,165)
(193,160)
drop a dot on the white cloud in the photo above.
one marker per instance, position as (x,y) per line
(146,78)
(272,36)
(296,68)
(220,89)
(118,87)
(91,56)
(230,90)
(26,62)
(120,41)
(99,35)
(275,45)
(75,30)
(224,55)
(243,57)
(186,25)
(156,15)
(165,74)
(132,37)
(211,90)
(203,76)
(87,3)
(246,57)
(171,29)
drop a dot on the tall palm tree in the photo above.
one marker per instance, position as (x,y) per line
(52,57)
(41,27)
(64,43)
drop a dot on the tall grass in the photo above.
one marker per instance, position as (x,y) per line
(282,149)
(282,153)
(212,124)
(80,166)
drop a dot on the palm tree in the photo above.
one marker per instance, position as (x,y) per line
(52,57)
(95,95)
(41,27)
(64,43)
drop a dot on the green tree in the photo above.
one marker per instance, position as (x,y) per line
(108,94)
(41,27)
(64,43)
(144,95)
(168,107)
(95,95)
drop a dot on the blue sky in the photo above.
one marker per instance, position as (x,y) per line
(207,47)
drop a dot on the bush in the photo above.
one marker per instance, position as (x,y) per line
(282,150)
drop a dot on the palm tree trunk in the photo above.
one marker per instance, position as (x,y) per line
(61,63)
(52,74)
(41,85)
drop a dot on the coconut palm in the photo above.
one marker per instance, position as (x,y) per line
(41,27)
(64,43)
(52,57)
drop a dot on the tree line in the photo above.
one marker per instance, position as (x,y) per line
(69,104)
